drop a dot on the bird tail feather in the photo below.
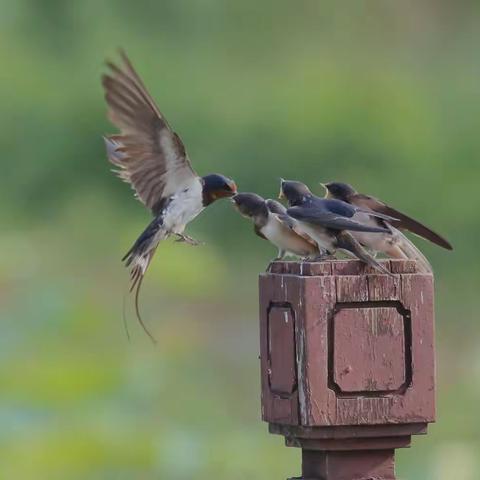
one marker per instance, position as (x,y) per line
(411,251)
(347,242)
(138,259)
(376,214)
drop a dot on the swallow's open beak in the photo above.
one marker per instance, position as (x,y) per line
(327,190)
(233,187)
(229,190)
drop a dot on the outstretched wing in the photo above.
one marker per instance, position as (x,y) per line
(149,155)
(327,219)
(401,221)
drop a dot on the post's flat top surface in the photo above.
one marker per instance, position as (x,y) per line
(340,267)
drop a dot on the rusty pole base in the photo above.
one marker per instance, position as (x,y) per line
(348,465)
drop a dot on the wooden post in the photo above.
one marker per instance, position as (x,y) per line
(347,363)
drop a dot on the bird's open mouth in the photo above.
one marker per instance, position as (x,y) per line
(232,189)
(327,191)
(229,191)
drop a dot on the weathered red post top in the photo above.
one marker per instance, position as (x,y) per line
(347,363)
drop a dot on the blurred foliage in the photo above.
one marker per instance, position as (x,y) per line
(381,94)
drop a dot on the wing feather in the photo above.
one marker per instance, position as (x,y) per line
(292,224)
(401,220)
(148,154)
(327,219)
(258,232)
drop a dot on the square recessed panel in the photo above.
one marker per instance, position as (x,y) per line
(369,351)
(281,351)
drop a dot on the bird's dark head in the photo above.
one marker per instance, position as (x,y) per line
(217,186)
(251,205)
(294,192)
(275,207)
(338,190)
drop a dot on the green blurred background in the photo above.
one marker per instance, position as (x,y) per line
(382,94)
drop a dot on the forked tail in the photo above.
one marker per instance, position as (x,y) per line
(138,259)
(411,251)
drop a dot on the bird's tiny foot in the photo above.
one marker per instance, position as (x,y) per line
(181,237)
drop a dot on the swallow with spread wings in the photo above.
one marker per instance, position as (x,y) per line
(151,157)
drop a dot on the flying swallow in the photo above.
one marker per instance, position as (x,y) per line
(272,223)
(393,244)
(151,157)
(329,221)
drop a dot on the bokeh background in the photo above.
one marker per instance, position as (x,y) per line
(382,94)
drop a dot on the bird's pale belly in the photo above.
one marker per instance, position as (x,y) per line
(380,242)
(285,239)
(324,239)
(176,220)
(182,209)
(375,241)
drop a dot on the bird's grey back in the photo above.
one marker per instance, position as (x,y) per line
(276,207)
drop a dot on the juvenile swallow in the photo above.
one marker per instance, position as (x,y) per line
(272,223)
(151,157)
(329,221)
(393,244)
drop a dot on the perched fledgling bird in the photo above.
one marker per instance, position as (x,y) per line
(329,222)
(393,244)
(152,158)
(272,223)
